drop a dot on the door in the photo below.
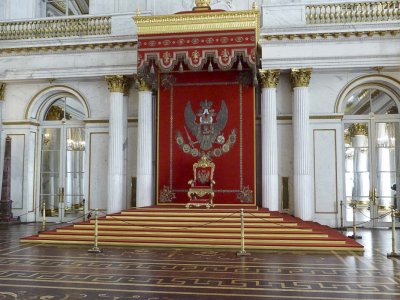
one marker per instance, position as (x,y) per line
(62,172)
(371,168)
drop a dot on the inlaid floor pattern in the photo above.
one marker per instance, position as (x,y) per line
(218,228)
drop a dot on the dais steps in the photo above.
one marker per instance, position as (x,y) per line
(200,228)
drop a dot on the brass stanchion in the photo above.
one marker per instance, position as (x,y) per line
(84,209)
(393,253)
(95,248)
(242,252)
(341,216)
(43,216)
(61,203)
(354,236)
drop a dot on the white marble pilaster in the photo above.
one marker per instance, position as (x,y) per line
(269,137)
(303,198)
(116,188)
(144,184)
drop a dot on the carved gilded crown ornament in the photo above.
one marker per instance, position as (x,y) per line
(269,78)
(300,77)
(2,91)
(202,5)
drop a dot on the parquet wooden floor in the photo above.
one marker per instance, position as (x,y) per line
(69,272)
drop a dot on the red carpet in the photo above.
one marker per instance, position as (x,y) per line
(219,227)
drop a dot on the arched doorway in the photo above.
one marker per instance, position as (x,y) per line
(371,132)
(62,148)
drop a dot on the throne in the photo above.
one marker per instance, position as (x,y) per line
(201,186)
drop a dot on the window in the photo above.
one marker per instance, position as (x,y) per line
(56,8)
(370,100)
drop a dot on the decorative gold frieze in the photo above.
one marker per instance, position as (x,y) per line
(80,47)
(63,27)
(2,91)
(358,129)
(300,77)
(355,12)
(198,22)
(269,78)
(335,35)
(142,84)
(117,83)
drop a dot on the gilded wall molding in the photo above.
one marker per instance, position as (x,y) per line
(269,78)
(2,91)
(142,84)
(117,83)
(300,77)
(334,35)
(59,48)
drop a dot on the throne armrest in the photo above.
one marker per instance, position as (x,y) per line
(191,181)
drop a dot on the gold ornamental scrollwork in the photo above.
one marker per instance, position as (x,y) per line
(142,84)
(358,129)
(2,91)
(300,77)
(117,83)
(269,78)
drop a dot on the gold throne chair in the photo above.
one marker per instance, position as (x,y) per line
(201,186)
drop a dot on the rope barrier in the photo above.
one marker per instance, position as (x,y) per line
(187,227)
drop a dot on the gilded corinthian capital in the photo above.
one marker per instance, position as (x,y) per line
(117,83)
(269,78)
(300,77)
(2,91)
(142,84)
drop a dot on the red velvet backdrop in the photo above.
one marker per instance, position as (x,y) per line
(234,154)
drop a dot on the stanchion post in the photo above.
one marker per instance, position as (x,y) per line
(242,252)
(354,236)
(95,248)
(341,215)
(84,209)
(43,216)
(394,252)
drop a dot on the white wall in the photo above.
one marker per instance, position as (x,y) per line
(21,9)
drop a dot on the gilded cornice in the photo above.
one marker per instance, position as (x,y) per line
(2,91)
(141,84)
(269,78)
(117,83)
(326,35)
(56,48)
(300,77)
(198,22)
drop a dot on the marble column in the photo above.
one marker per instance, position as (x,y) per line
(2,98)
(302,193)
(144,181)
(125,144)
(115,200)
(269,138)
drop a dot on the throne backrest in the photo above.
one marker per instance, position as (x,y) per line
(203,172)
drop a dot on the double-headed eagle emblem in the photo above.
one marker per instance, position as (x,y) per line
(207,127)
